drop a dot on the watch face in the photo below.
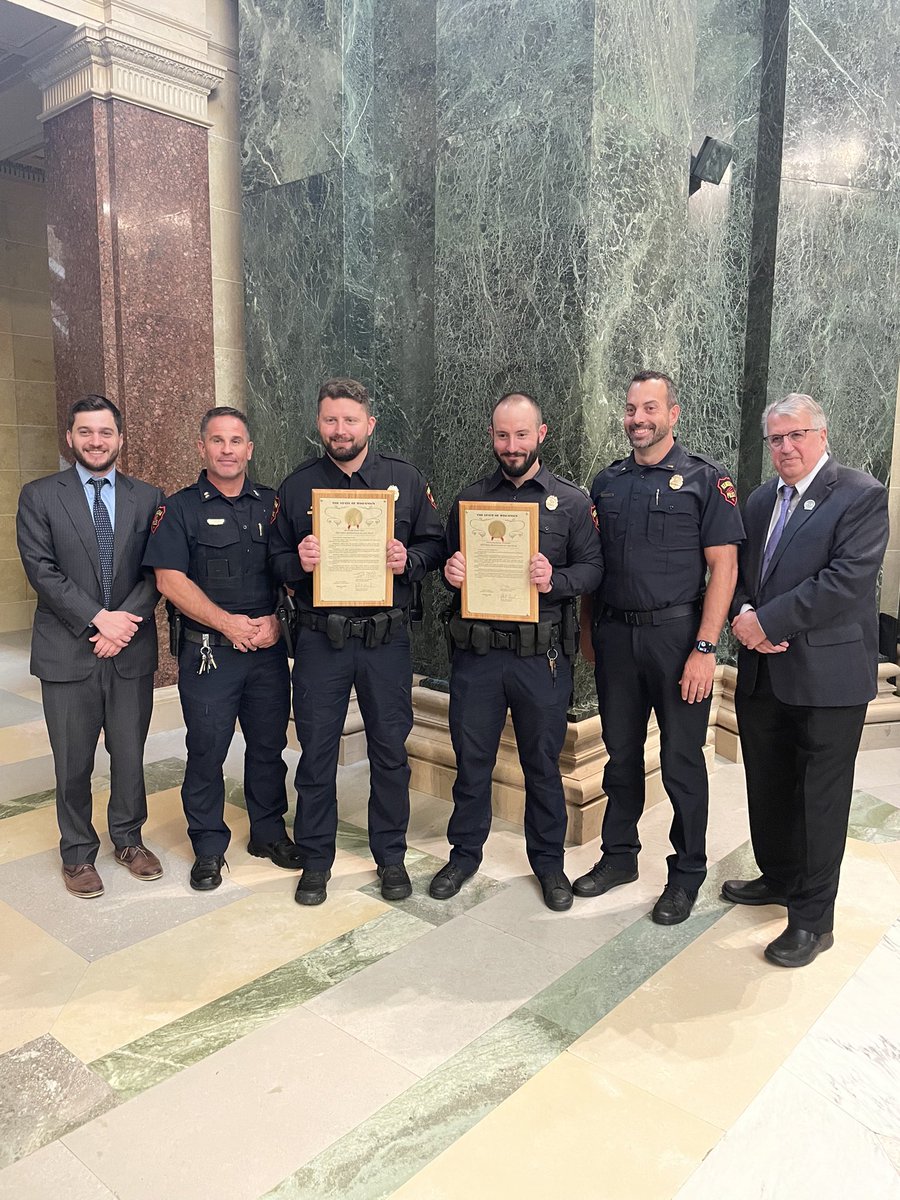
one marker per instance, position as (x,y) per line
(705,647)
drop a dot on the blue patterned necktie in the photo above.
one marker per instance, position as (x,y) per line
(104,530)
(787,494)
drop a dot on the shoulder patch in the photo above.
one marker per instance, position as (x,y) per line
(275,507)
(157,518)
(429,496)
(727,489)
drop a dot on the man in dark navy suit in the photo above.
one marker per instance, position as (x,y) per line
(805,614)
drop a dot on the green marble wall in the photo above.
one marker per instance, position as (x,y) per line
(451,198)
(837,281)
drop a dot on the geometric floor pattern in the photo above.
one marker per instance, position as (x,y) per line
(162,1044)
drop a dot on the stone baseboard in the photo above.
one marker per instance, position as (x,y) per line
(584,756)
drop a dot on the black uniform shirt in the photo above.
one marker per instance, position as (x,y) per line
(567,534)
(220,543)
(416,522)
(656,521)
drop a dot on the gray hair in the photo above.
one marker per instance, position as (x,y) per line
(791,406)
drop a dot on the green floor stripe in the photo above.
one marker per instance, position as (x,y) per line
(149,1060)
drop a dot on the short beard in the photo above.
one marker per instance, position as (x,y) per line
(516,472)
(344,453)
(94,469)
(658,435)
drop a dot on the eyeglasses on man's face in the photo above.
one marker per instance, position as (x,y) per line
(795,437)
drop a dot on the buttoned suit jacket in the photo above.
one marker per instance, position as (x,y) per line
(819,590)
(58,545)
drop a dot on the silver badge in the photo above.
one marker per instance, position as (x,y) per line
(809,505)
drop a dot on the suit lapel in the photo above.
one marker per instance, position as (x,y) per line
(124,519)
(75,502)
(817,493)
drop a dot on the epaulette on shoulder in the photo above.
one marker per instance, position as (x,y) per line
(710,462)
(305,466)
(577,487)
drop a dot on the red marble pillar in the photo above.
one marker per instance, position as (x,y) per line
(131,281)
(130,276)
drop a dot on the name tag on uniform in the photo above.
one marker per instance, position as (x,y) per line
(215,520)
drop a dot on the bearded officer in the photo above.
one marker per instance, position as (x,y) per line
(339,649)
(525,669)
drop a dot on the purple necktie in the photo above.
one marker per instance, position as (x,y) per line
(787,494)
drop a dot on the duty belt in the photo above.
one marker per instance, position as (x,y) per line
(372,630)
(525,640)
(650,617)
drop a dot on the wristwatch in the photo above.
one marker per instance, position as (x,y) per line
(705,647)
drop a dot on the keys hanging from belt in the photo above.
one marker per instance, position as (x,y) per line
(552,656)
(207,661)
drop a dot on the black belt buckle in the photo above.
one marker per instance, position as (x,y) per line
(631,617)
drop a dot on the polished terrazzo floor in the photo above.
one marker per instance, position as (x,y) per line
(159,1044)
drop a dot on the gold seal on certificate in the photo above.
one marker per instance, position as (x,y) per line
(498,542)
(353,528)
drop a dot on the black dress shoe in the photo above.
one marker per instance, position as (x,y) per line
(557,891)
(750,891)
(674,905)
(311,888)
(797,947)
(395,882)
(448,881)
(601,877)
(283,853)
(206,873)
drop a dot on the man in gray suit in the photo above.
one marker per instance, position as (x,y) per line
(81,536)
(806,616)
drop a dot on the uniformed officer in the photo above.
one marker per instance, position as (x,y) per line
(667,518)
(209,546)
(362,647)
(523,668)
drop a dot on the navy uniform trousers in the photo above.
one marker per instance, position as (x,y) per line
(254,689)
(638,669)
(482,688)
(323,677)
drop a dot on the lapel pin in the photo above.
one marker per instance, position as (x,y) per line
(809,504)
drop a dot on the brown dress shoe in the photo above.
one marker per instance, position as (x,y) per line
(141,862)
(82,880)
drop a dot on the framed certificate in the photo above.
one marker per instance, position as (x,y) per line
(353,528)
(498,542)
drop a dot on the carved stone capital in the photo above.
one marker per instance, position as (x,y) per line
(106,63)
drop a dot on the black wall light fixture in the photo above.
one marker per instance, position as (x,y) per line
(710,163)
